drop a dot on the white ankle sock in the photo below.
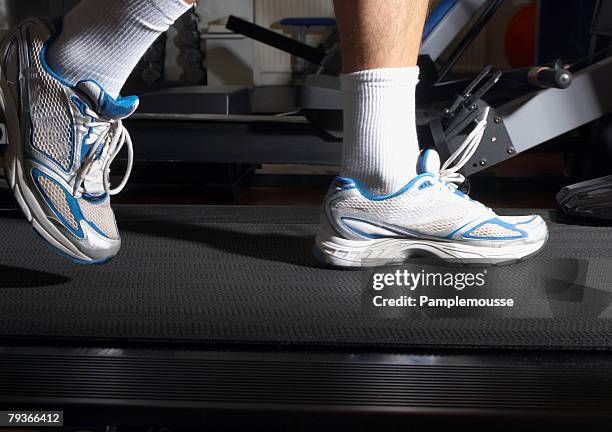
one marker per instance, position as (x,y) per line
(104,40)
(380,148)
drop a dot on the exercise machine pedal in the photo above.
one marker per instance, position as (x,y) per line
(591,199)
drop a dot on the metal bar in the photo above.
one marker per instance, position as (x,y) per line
(220,118)
(223,141)
(275,40)
(278,389)
(539,117)
(483,19)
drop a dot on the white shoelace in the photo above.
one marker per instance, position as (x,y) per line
(96,165)
(448,174)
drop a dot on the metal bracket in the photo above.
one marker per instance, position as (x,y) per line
(495,146)
(450,131)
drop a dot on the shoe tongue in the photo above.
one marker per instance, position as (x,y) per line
(113,109)
(428,162)
(102,103)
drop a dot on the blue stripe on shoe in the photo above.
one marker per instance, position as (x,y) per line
(114,108)
(45,65)
(353,184)
(527,221)
(459,229)
(501,223)
(76,213)
(72,205)
(371,236)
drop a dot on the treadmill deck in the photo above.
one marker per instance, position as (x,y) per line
(245,275)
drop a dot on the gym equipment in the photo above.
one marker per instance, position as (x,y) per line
(225,100)
(566,32)
(149,73)
(324,57)
(591,199)
(220,316)
(190,57)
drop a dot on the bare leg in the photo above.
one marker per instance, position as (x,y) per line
(380,34)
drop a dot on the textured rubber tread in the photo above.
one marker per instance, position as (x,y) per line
(246,275)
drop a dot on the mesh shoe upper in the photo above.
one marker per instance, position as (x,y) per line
(71,211)
(58,199)
(53,132)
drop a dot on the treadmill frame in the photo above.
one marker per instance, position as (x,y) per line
(536,118)
(283,389)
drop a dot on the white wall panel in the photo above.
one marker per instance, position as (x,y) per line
(274,65)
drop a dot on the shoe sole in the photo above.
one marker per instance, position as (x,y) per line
(342,253)
(26,201)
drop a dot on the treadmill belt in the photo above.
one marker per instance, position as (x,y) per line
(245,275)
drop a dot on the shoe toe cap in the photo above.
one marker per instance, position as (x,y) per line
(97,247)
(533,225)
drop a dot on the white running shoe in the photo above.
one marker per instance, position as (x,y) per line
(427,217)
(62,141)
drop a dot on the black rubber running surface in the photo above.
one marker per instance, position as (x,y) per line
(246,275)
